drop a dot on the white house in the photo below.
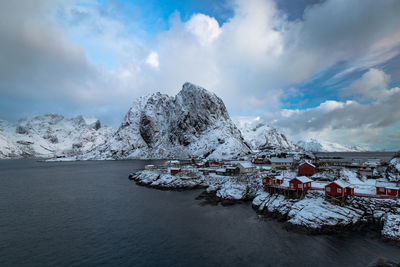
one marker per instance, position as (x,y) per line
(246,167)
(281,162)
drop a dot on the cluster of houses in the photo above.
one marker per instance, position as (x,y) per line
(336,189)
(273,181)
(207,167)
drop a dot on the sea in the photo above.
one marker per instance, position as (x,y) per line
(88,213)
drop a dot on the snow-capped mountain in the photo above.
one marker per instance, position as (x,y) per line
(321,146)
(51,135)
(193,123)
(260,136)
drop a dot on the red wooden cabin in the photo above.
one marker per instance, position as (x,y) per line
(174,171)
(300,183)
(339,188)
(380,190)
(306,169)
(267,180)
(258,161)
(278,180)
(392,191)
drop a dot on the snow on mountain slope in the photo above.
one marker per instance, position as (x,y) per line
(8,149)
(193,123)
(53,135)
(320,146)
(261,136)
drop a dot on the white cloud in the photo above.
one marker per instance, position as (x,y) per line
(348,122)
(252,61)
(372,85)
(152,59)
(205,28)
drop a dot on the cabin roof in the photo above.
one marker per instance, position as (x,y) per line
(306,162)
(246,164)
(384,184)
(393,188)
(343,184)
(281,160)
(303,179)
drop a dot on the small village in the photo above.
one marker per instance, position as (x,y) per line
(308,193)
(294,174)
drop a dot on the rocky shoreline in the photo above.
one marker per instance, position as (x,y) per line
(380,218)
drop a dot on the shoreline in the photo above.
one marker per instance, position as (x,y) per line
(313,215)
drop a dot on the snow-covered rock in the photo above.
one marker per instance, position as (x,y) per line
(316,213)
(395,164)
(311,213)
(193,123)
(391,227)
(322,146)
(53,135)
(260,136)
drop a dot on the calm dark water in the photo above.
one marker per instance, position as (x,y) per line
(90,214)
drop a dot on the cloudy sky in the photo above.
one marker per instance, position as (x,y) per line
(325,69)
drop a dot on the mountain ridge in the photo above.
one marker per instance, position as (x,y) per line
(195,122)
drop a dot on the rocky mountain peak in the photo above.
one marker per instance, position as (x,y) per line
(195,122)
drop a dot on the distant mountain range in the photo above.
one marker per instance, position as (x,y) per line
(51,135)
(195,122)
(260,136)
(321,146)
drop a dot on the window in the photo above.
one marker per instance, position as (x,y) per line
(381,189)
(291,185)
(300,186)
(339,190)
(328,189)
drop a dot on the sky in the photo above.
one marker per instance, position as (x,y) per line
(323,69)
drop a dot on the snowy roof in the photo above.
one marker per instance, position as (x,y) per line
(303,179)
(394,188)
(175,169)
(384,184)
(246,164)
(221,170)
(306,162)
(343,184)
(265,168)
(281,160)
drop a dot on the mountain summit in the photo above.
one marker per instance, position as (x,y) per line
(193,123)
